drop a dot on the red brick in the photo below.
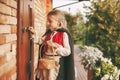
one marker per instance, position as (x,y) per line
(13,12)
(14,48)
(7,38)
(7,19)
(3,1)
(12,20)
(5,68)
(13,29)
(5,9)
(10,72)
(2,39)
(3,19)
(11,37)
(5,29)
(2,59)
(2,52)
(12,3)
(5,48)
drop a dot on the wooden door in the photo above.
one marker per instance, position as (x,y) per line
(24,43)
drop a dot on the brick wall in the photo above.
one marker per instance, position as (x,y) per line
(41,9)
(48,5)
(39,23)
(8,34)
(8,38)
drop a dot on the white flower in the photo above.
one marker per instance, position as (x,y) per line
(105,77)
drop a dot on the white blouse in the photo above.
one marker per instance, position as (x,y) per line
(61,51)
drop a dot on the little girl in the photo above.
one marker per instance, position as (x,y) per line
(57,38)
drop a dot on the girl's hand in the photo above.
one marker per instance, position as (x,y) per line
(32,30)
(53,44)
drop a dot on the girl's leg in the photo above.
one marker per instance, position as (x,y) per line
(39,74)
(36,78)
(53,73)
(46,74)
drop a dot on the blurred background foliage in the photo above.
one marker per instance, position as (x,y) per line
(76,27)
(102,30)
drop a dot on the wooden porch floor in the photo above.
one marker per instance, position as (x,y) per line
(81,73)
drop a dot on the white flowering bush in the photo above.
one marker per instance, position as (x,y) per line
(89,56)
(92,58)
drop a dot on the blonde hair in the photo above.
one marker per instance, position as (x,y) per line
(60,16)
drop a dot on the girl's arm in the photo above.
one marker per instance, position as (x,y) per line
(37,39)
(65,49)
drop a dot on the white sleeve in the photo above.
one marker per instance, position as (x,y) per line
(65,49)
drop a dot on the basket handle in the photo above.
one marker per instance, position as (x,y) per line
(51,37)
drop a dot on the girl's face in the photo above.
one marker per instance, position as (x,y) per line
(53,23)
